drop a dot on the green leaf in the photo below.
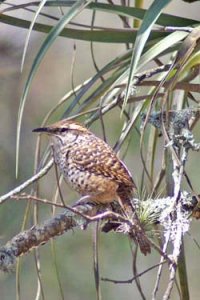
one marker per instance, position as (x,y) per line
(53,34)
(160,47)
(150,18)
(29,31)
(163,20)
(104,36)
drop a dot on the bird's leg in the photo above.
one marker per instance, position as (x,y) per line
(84,200)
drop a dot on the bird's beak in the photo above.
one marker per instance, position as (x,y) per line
(41,129)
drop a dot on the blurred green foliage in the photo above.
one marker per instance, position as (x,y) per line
(52,74)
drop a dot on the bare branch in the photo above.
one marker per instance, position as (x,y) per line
(24,185)
(40,234)
(133,278)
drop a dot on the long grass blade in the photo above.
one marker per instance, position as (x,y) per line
(127,11)
(149,20)
(53,34)
(41,5)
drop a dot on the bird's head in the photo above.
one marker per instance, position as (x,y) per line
(64,130)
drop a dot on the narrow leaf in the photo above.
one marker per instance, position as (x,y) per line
(53,34)
(29,31)
(150,18)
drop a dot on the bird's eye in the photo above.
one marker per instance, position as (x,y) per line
(63,129)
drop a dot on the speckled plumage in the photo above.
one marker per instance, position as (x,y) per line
(90,165)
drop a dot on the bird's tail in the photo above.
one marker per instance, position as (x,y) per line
(134,227)
(137,232)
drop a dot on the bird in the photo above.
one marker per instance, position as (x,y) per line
(92,168)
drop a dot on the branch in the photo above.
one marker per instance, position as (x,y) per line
(40,234)
(21,187)
(81,215)
(134,277)
(172,213)
(176,222)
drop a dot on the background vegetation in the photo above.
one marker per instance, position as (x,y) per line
(97,47)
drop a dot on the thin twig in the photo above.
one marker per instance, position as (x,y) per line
(171,282)
(31,180)
(34,198)
(40,290)
(96,259)
(134,267)
(129,281)
(186,86)
(160,268)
